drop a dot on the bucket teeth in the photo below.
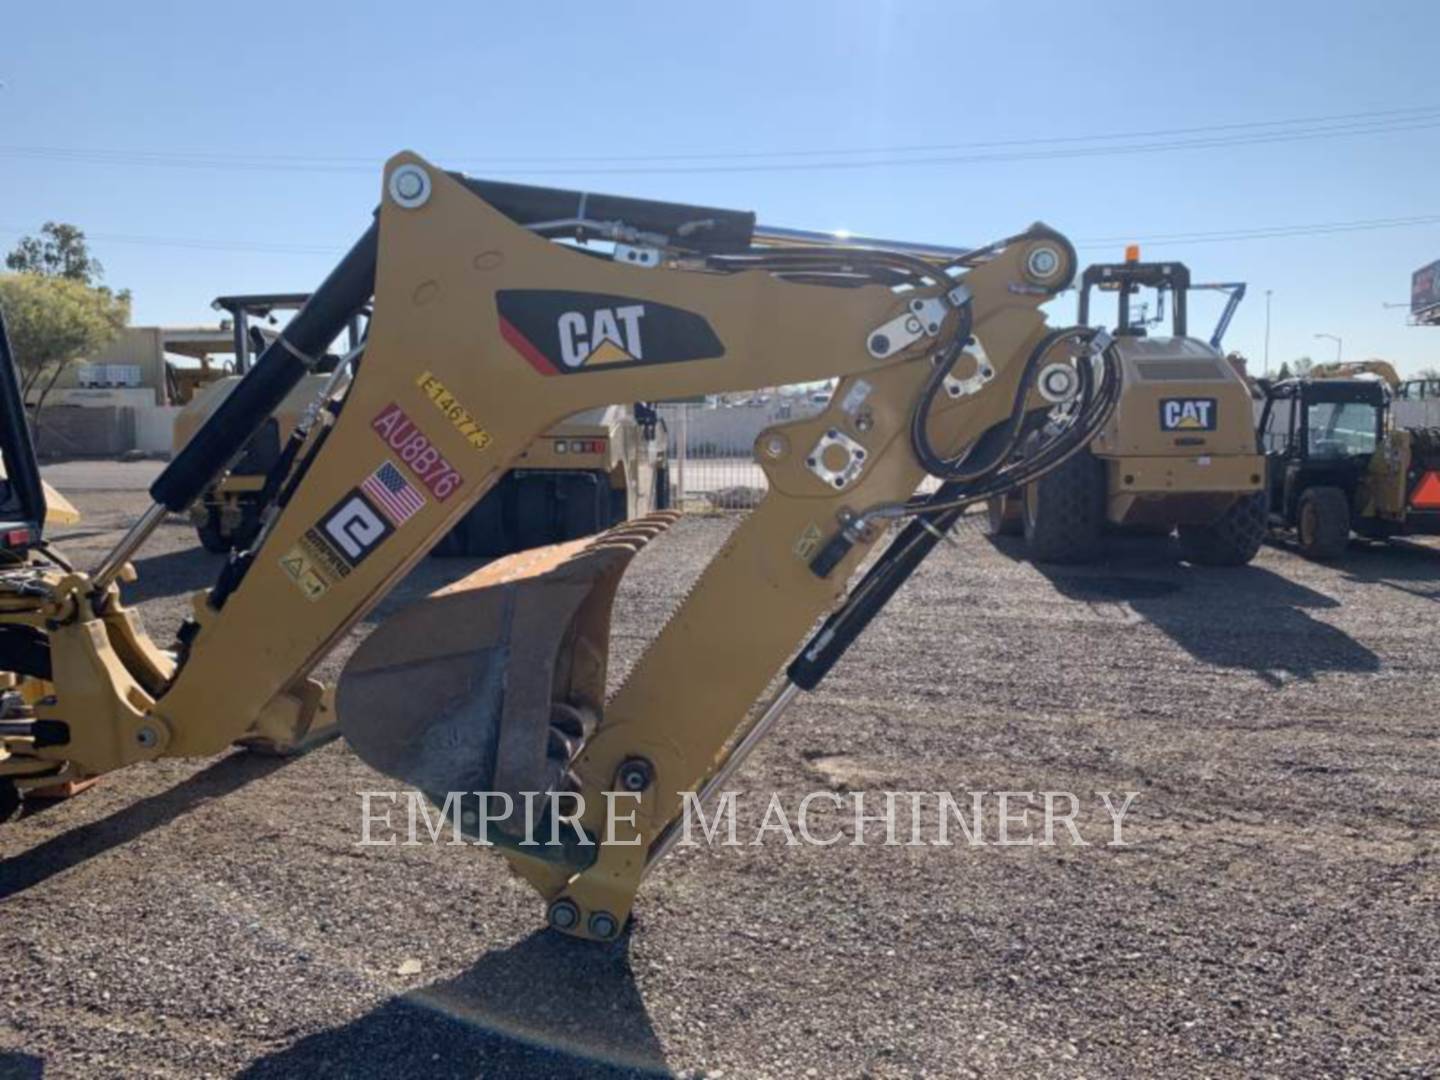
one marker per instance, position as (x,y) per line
(493,683)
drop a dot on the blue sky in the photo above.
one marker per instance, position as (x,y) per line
(251,138)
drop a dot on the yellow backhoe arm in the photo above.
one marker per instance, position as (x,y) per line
(485,332)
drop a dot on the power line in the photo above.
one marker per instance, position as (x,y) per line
(1047,148)
(1264,232)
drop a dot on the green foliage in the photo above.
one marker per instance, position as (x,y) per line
(1303,366)
(1285,372)
(54,321)
(59,251)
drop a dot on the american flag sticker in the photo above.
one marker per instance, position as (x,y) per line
(393,493)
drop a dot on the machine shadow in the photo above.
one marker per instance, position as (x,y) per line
(547,1006)
(15,1065)
(172,573)
(1242,618)
(1413,571)
(69,849)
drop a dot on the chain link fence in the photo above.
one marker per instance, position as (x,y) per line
(712,448)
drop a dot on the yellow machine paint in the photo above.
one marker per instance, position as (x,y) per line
(590,471)
(471,293)
(1179,452)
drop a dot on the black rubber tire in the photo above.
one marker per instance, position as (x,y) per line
(1322,523)
(662,488)
(1064,511)
(211,538)
(249,529)
(1234,539)
(1000,523)
(10,800)
(619,506)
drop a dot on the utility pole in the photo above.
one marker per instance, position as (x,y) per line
(1267,332)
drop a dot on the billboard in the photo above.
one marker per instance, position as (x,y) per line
(1425,293)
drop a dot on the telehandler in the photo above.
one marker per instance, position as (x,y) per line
(487,330)
(1178,454)
(1338,463)
(583,475)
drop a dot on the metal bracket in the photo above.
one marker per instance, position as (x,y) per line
(855,455)
(957,387)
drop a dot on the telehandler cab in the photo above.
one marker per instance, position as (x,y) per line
(496,686)
(1337,463)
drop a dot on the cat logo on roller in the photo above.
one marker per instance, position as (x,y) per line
(567,333)
(1187,414)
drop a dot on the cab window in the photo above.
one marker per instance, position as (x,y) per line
(1277,426)
(1341,429)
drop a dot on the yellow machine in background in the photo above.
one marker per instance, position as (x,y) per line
(486,332)
(1179,453)
(1339,463)
(592,471)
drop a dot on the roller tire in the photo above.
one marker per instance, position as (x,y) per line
(1234,539)
(1064,511)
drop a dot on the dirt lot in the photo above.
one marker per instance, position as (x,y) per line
(1277,910)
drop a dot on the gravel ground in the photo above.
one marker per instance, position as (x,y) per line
(1276,910)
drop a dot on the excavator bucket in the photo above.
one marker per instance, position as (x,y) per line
(492,683)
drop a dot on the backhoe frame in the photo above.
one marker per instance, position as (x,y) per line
(458,288)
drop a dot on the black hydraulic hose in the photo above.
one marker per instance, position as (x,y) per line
(275,374)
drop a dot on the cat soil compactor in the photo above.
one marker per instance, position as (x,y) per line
(495,686)
(1338,464)
(1178,454)
(585,474)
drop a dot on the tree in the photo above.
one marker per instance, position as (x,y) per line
(59,251)
(54,321)
(56,308)
(1284,372)
(1303,366)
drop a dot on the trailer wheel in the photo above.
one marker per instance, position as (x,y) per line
(1003,516)
(1233,539)
(1064,511)
(1323,523)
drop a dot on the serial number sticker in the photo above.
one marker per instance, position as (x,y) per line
(453,411)
(301,570)
(324,559)
(416,452)
(855,397)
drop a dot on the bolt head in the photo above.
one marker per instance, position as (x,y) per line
(1043,262)
(146,737)
(880,344)
(564,915)
(636,774)
(409,186)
